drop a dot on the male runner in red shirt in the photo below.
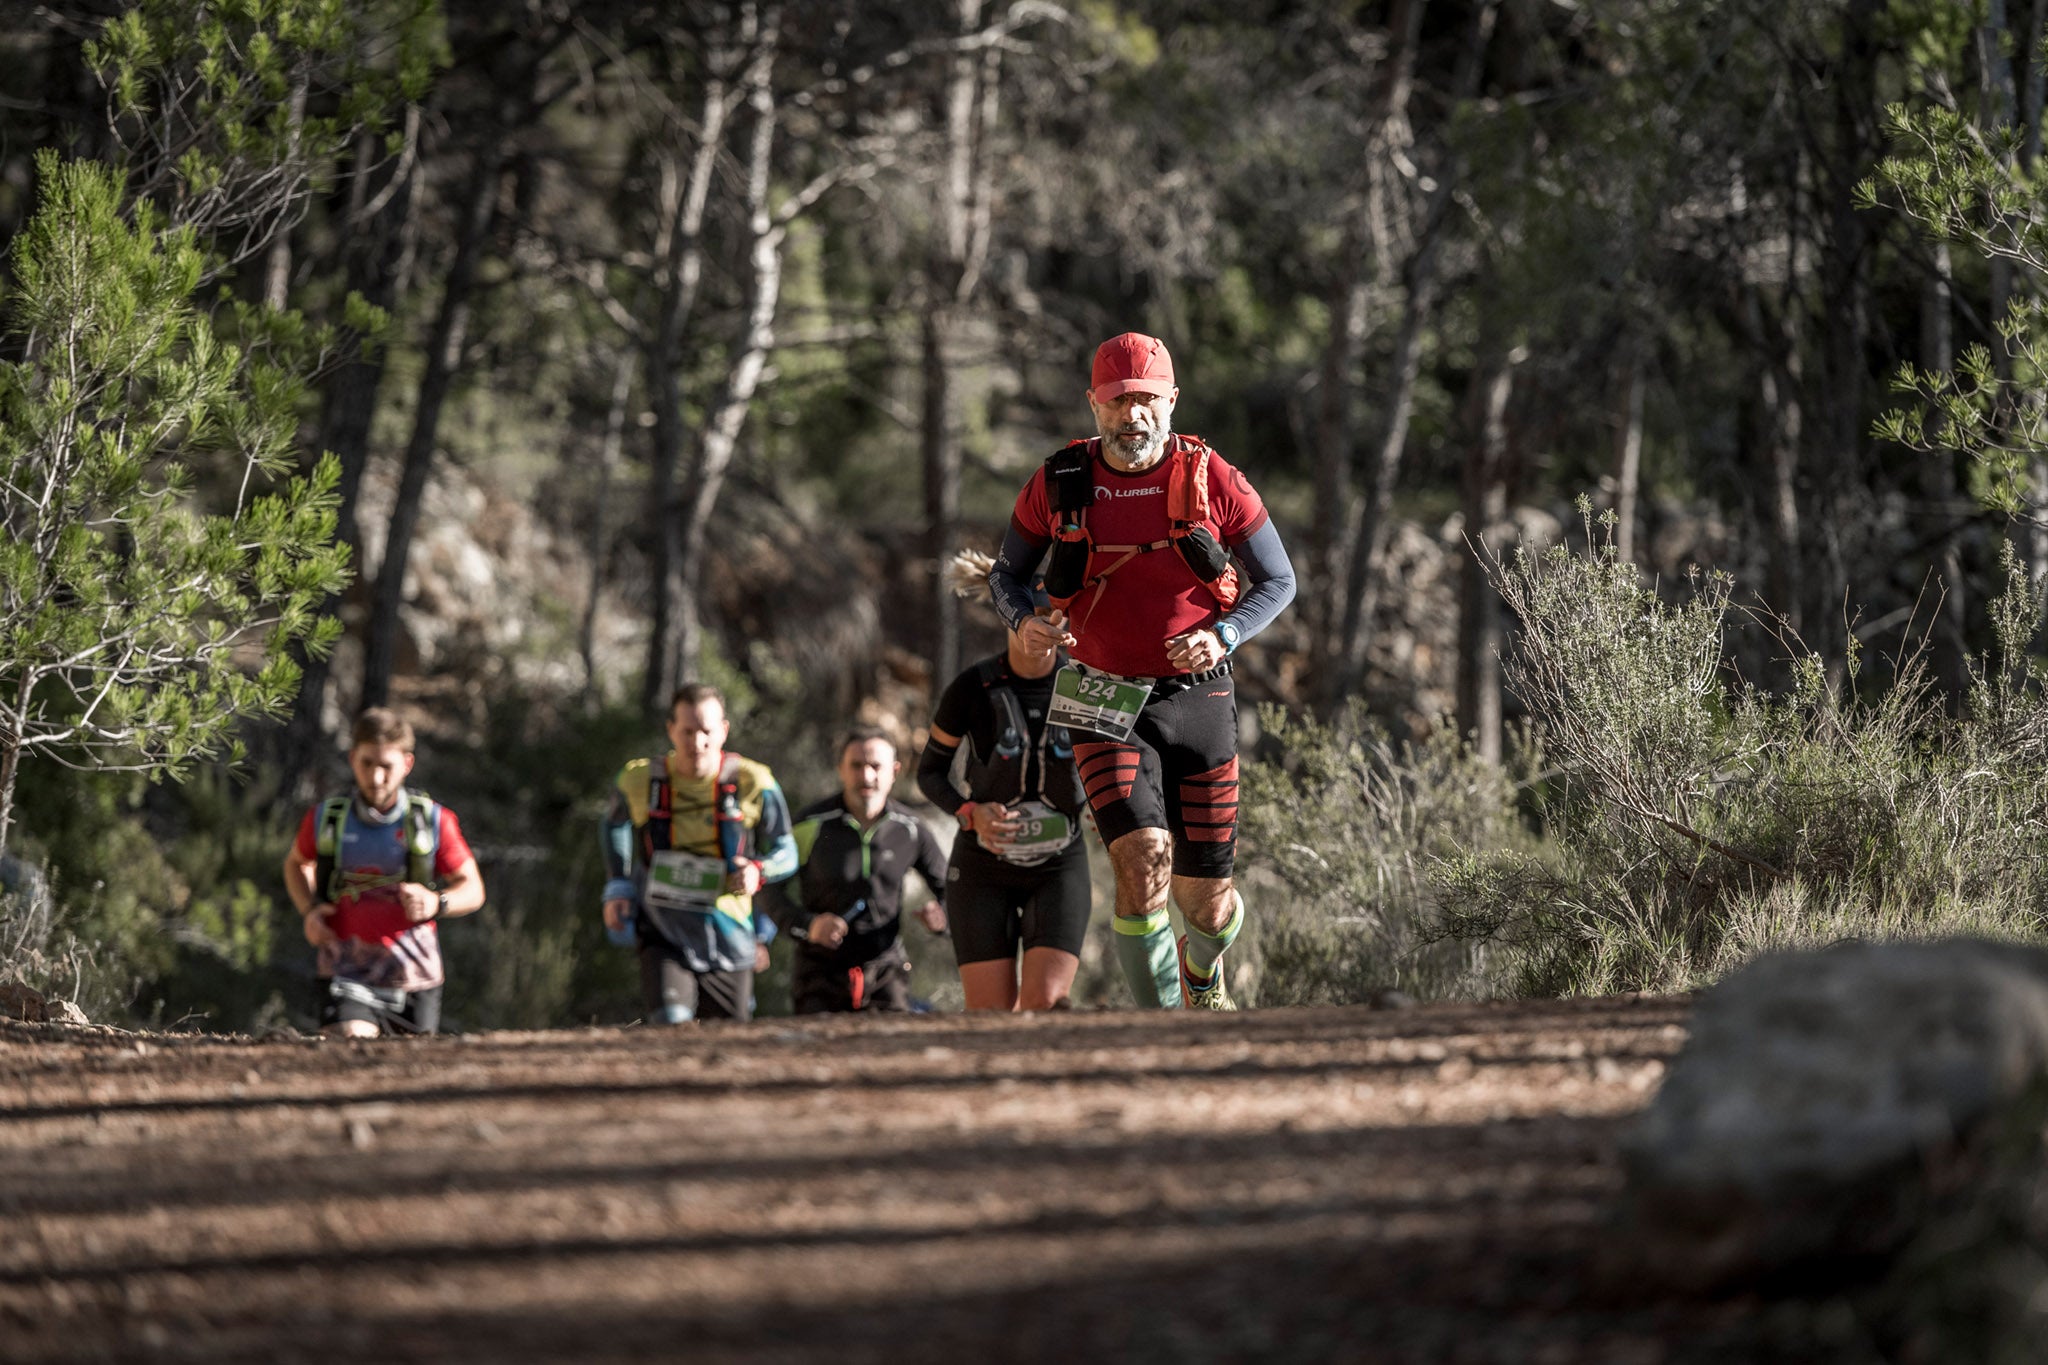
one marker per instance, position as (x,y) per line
(1143,524)
(371,873)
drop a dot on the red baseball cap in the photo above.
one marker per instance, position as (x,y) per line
(1130,361)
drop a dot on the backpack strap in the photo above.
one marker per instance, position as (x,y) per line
(1194,534)
(327,844)
(658,834)
(1187,492)
(731,820)
(1069,481)
(422,838)
(1070,486)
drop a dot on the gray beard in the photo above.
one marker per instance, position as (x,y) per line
(1138,456)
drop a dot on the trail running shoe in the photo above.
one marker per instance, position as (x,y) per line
(1194,996)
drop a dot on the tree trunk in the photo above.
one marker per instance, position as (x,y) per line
(957,259)
(1941,491)
(1628,453)
(941,449)
(607,460)
(1419,276)
(377,264)
(1479,608)
(2000,109)
(1784,419)
(444,358)
(682,272)
(1350,297)
(1839,508)
(277,258)
(1365,231)
(2031,97)
(728,414)
(10,763)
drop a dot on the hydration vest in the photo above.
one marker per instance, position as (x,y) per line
(1070,484)
(422,840)
(1000,776)
(658,834)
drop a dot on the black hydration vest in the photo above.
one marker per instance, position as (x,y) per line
(1000,776)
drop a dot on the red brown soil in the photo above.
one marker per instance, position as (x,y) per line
(1428,1185)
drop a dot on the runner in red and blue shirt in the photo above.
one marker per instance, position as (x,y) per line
(371,872)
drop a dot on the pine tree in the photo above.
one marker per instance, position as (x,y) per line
(137,626)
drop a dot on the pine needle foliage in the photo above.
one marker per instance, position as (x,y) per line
(136,626)
(1973,187)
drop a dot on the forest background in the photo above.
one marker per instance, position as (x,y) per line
(656,341)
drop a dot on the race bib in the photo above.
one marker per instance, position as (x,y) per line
(1041,832)
(1102,704)
(684,881)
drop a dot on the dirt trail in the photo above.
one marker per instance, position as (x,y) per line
(1286,1184)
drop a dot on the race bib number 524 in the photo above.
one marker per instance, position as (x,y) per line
(1103,704)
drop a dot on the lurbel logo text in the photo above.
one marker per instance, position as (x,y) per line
(1101,492)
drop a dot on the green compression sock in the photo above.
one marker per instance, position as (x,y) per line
(1205,949)
(1144,949)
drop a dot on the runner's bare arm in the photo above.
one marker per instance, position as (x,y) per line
(313,911)
(461,893)
(931,866)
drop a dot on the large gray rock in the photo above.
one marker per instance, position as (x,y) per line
(1829,1101)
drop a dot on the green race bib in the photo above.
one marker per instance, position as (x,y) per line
(1041,832)
(684,881)
(1102,704)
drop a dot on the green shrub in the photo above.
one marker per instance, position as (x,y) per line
(1692,821)
(1341,831)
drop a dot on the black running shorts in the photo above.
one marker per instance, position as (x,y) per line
(994,907)
(671,993)
(818,985)
(1178,773)
(394,1012)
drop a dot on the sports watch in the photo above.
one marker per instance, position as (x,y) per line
(1229,635)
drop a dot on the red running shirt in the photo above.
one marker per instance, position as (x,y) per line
(1123,624)
(379,946)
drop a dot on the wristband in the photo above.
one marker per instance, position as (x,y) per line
(441,905)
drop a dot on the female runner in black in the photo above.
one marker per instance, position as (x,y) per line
(1018,876)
